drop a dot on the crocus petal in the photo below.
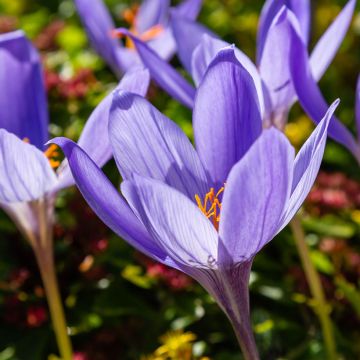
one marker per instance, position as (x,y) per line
(163,73)
(94,139)
(274,64)
(176,223)
(307,164)
(105,200)
(310,96)
(256,193)
(226,115)
(301,9)
(147,143)
(357,108)
(205,53)
(98,24)
(23,105)
(164,44)
(151,13)
(26,173)
(188,35)
(328,45)
(189,9)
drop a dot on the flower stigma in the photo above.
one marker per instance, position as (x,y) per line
(211,206)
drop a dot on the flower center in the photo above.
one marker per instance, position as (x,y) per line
(211,206)
(130,16)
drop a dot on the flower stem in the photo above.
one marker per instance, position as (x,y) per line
(322,309)
(43,248)
(246,341)
(47,270)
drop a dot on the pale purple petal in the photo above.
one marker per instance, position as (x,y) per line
(256,193)
(94,139)
(26,173)
(188,8)
(147,143)
(151,13)
(106,201)
(205,53)
(328,45)
(188,35)
(164,44)
(226,115)
(163,73)
(274,64)
(307,164)
(23,104)
(310,96)
(177,224)
(301,9)
(98,24)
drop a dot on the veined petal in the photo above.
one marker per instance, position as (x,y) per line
(105,200)
(147,143)
(188,35)
(26,173)
(163,73)
(274,64)
(255,196)
(23,104)
(301,9)
(226,115)
(176,223)
(328,45)
(151,13)
(205,53)
(189,9)
(94,139)
(310,96)
(98,24)
(306,166)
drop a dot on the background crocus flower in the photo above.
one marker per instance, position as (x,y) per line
(149,21)
(197,47)
(311,98)
(206,212)
(30,175)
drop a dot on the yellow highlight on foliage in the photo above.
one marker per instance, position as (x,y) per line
(298,131)
(264,327)
(355,216)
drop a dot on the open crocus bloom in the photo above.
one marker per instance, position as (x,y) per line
(279,78)
(149,21)
(30,174)
(206,212)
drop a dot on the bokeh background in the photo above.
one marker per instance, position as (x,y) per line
(121,305)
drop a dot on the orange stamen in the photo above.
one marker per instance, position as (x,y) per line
(130,14)
(52,152)
(212,212)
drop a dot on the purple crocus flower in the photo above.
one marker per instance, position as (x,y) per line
(280,21)
(150,22)
(311,98)
(206,212)
(30,176)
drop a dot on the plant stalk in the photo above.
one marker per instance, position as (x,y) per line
(43,248)
(321,307)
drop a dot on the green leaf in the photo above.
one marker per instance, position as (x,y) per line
(350,292)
